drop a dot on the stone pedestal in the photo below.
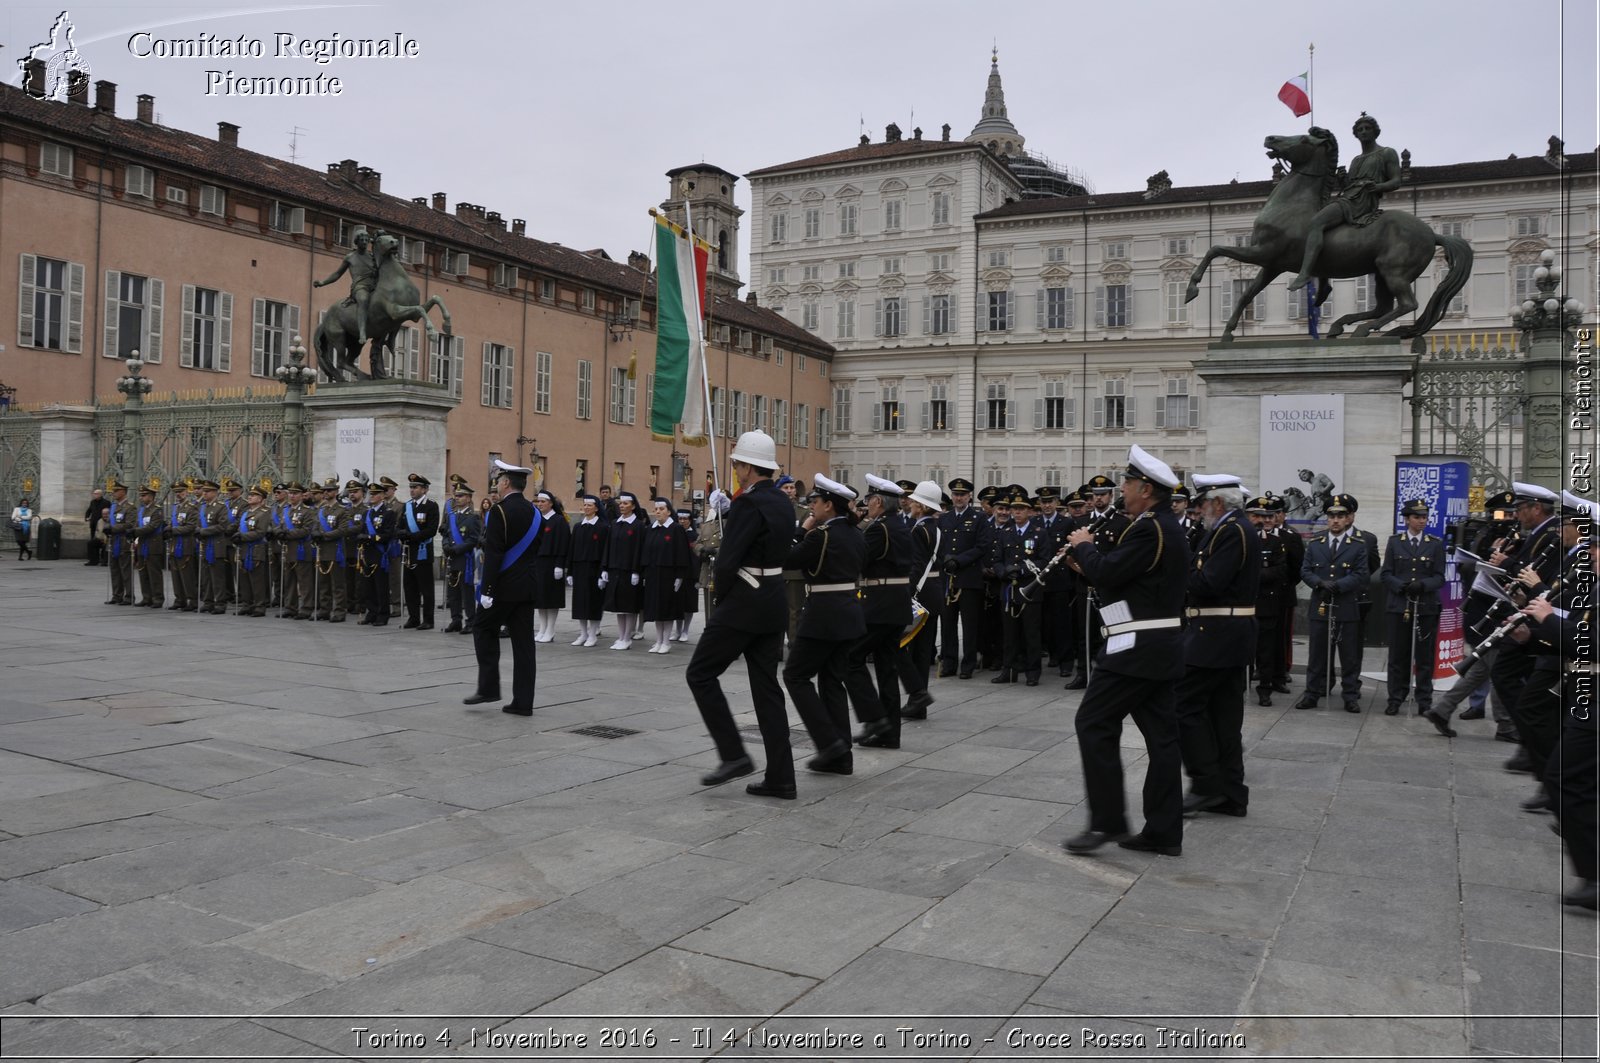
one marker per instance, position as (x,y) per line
(67,471)
(1370,374)
(407,420)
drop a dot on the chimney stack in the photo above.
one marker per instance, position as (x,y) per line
(519,227)
(105,97)
(147,108)
(370,179)
(639,260)
(439,201)
(945,132)
(228,134)
(891,134)
(78,87)
(34,78)
(347,170)
(496,222)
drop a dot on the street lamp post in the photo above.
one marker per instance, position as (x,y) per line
(135,387)
(295,377)
(1546,319)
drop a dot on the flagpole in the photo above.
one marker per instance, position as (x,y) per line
(1311,81)
(700,328)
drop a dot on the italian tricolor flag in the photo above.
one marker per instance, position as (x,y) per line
(680,351)
(1296,95)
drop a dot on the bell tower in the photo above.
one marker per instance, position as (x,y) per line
(709,190)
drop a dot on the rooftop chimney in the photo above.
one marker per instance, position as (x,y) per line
(78,87)
(421,201)
(347,170)
(916,134)
(34,77)
(639,260)
(865,140)
(1156,184)
(463,210)
(496,221)
(1557,149)
(228,134)
(147,108)
(750,298)
(519,227)
(891,134)
(945,131)
(370,179)
(439,201)
(105,96)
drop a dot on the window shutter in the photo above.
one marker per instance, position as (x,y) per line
(458,358)
(1070,297)
(1038,309)
(508,377)
(1099,309)
(927,326)
(74,343)
(950,326)
(1099,413)
(25,275)
(1194,411)
(224,332)
(1038,413)
(877,317)
(1011,413)
(297,220)
(983,312)
(488,397)
(1128,420)
(1295,307)
(293,317)
(1225,291)
(113,290)
(1070,413)
(416,251)
(152,320)
(1129,303)
(258,325)
(1161,413)
(926,424)
(1011,310)
(877,418)
(186,341)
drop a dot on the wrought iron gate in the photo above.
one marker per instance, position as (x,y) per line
(19,459)
(1472,402)
(239,433)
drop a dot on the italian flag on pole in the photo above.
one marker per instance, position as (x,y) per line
(680,344)
(1295,95)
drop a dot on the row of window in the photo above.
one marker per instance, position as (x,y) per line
(733,413)
(890,266)
(1055,409)
(846,219)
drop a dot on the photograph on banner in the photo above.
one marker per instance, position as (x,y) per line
(353,448)
(1302,452)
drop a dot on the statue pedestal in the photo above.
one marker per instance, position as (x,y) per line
(368,429)
(1368,373)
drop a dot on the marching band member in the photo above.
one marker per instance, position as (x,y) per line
(886,607)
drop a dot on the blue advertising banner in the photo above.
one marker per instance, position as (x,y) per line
(1441,481)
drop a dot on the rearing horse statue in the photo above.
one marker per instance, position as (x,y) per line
(393,303)
(1395,247)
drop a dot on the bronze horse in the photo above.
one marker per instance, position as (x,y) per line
(1394,246)
(393,303)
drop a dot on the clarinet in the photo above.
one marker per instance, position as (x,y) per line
(1497,613)
(1030,591)
(1516,620)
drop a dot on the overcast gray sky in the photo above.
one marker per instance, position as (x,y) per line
(569,114)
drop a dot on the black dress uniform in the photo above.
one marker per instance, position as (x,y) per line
(377,529)
(1270,607)
(1019,544)
(1571,771)
(1219,642)
(463,531)
(506,598)
(1055,608)
(1412,573)
(1538,707)
(1294,555)
(831,558)
(1541,549)
(419,525)
(886,608)
(664,564)
(748,618)
(1335,569)
(916,657)
(585,562)
(962,553)
(624,543)
(550,560)
(1141,580)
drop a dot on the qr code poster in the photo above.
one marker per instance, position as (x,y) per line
(1444,485)
(1302,452)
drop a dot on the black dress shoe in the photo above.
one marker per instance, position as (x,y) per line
(1090,840)
(479,699)
(873,729)
(424,627)
(883,741)
(1004,676)
(1078,681)
(410,624)
(1473,713)
(174,607)
(1306,702)
(1032,680)
(1139,843)
(1520,761)
(1352,706)
(1585,896)
(1538,803)
(946,671)
(963,675)
(1440,724)
(1501,736)
(1194,804)
(1281,687)
(767,789)
(513,710)
(1391,709)
(834,760)
(452,627)
(1264,699)
(727,771)
(917,706)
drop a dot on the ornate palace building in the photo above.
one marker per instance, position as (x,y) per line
(994,317)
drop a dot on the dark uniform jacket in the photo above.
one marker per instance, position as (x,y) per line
(469,532)
(1271,597)
(757,532)
(1346,567)
(831,556)
(965,543)
(507,525)
(149,524)
(1017,546)
(888,557)
(426,514)
(1423,562)
(1370,541)
(1294,556)
(926,539)
(1143,574)
(1226,575)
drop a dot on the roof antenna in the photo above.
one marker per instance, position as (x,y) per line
(294,143)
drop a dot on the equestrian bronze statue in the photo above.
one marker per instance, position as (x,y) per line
(382,299)
(1325,223)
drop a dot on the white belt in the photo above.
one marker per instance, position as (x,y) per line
(1228,610)
(748,570)
(1141,625)
(830,588)
(888,581)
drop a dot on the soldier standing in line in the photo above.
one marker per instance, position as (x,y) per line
(276,506)
(1413,573)
(299,565)
(211,529)
(396,562)
(1294,556)
(463,531)
(1141,580)
(181,521)
(927,584)
(333,528)
(376,529)
(961,558)
(1269,600)
(233,500)
(255,524)
(1336,568)
(1218,645)
(149,559)
(119,522)
(1023,548)
(419,526)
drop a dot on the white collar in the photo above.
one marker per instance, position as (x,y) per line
(590,520)
(628,519)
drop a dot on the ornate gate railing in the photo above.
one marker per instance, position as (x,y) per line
(19,459)
(238,433)
(1472,402)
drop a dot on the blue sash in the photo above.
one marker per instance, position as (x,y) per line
(522,545)
(469,560)
(177,539)
(327,526)
(211,548)
(372,533)
(115,536)
(411,522)
(138,522)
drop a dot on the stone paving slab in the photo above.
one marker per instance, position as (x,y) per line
(186,824)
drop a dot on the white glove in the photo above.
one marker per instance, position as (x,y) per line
(634,579)
(569,581)
(486,601)
(720,500)
(605,577)
(559,573)
(677,584)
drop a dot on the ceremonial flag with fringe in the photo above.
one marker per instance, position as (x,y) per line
(680,346)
